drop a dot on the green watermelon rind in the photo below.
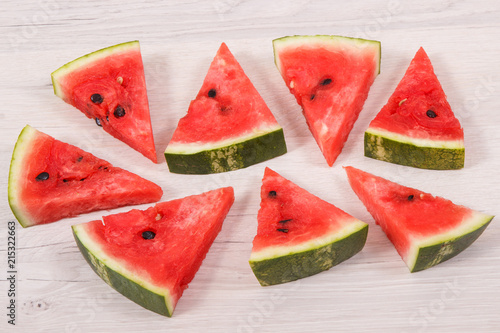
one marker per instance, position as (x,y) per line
(431,251)
(323,40)
(418,153)
(282,265)
(233,156)
(22,149)
(82,61)
(127,283)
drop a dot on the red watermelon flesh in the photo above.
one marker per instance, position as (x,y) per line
(227,107)
(424,229)
(163,263)
(309,216)
(50,180)
(116,74)
(330,77)
(418,108)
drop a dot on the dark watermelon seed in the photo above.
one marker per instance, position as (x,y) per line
(285,221)
(96,98)
(79,159)
(212,93)
(410,197)
(98,122)
(107,118)
(272,194)
(148,235)
(282,230)
(65,180)
(312,97)
(326,82)
(42,176)
(431,114)
(119,112)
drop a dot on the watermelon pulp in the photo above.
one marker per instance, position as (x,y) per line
(330,77)
(425,230)
(109,86)
(50,180)
(299,234)
(417,126)
(228,125)
(150,256)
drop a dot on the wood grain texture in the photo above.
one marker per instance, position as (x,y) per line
(373,291)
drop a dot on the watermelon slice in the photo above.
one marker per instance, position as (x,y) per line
(424,229)
(228,126)
(150,256)
(330,76)
(299,234)
(109,86)
(417,127)
(50,180)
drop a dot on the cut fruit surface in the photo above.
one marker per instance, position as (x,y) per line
(330,77)
(425,230)
(299,234)
(108,86)
(417,126)
(150,256)
(228,126)
(50,180)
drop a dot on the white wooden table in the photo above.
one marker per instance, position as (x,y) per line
(56,291)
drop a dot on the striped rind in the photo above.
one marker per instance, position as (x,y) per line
(238,154)
(86,59)
(22,149)
(427,252)
(282,264)
(419,153)
(133,286)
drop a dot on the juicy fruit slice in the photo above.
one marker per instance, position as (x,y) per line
(299,234)
(150,256)
(228,126)
(330,76)
(424,229)
(109,86)
(50,180)
(417,126)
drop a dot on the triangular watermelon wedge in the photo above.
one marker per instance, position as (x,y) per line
(150,256)
(299,234)
(50,180)
(425,230)
(227,127)
(108,85)
(330,76)
(417,126)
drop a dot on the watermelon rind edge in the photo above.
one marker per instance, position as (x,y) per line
(19,153)
(299,40)
(285,264)
(234,156)
(436,249)
(418,153)
(86,59)
(127,283)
